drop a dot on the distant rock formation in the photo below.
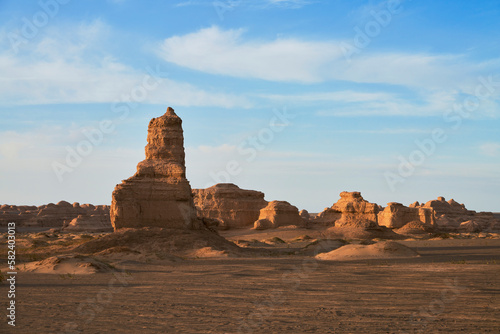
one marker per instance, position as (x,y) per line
(158,195)
(352,217)
(305,215)
(396,215)
(278,213)
(231,206)
(450,215)
(350,209)
(50,215)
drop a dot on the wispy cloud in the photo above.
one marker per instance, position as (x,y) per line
(437,81)
(73,67)
(347,96)
(491,149)
(294,4)
(228,52)
(389,131)
(224,52)
(247,4)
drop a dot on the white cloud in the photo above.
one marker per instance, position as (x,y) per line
(70,67)
(226,5)
(436,103)
(347,96)
(294,4)
(217,51)
(491,149)
(227,52)
(389,131)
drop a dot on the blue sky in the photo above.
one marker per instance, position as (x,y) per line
(299,99)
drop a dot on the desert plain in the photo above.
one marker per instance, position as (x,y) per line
(269,286)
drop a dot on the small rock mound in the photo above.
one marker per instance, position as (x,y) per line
(470,226)
(415,227)
(91,224)
(68,264)
(362,230)
(380,250)
(262,224)
(163,242)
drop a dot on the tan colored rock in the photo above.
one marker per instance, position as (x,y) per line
(263,224)
(415,227)
(50,215)
(158,195)
(281,213)
(451,214)
(470,226)
(304,214)
(396,215)
(91,224)
(236,207)
(350,209)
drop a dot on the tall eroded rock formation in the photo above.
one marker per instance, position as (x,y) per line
(158,195)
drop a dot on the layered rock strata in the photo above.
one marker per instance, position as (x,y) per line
(278,213)
(158,195)
(396,215)
(231,206)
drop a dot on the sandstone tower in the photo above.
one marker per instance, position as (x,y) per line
(158,195)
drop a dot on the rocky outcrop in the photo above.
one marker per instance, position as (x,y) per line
(415,227)
(396,215)
(278,213)
(262,224)
(350,209)
(470,227)
(232,206)
(50,215)
(158,195)
(450,215)
(304,214)
(91,224)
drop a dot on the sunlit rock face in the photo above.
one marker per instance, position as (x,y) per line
(158,195)
(350,209)
(232,206)
(278,213)
(396,215)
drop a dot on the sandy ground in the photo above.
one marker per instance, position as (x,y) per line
(452,287)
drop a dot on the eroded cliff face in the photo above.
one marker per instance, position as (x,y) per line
(350,209)
(158,195)
(279,213)
(396,215)
(454,217)
(231,206)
